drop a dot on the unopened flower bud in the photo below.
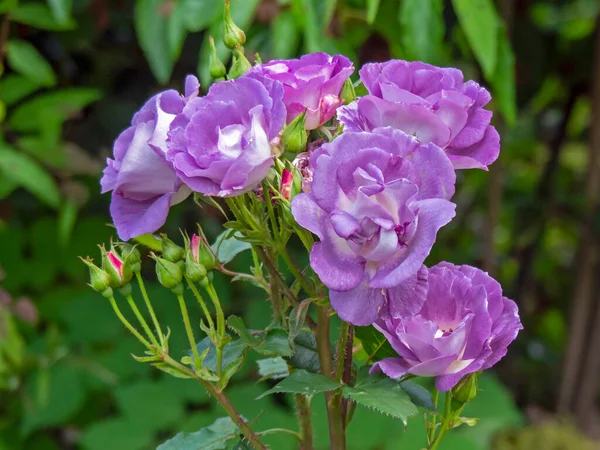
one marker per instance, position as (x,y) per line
(294,136)
(201,253)
(119,272)
(217,68)
(99,279)
(466,389)
(169,273)
(348,94)
(170,250)
(233,36)
(131,255)
(193,270)
(240,65)
(286,184)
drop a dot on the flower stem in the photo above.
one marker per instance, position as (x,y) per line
(223,400)
(303,413)
(188,329)
(140,280)
(280,430)
(337,437)
(125,322)
(285,255)
(141,320)
(221,328)
(431,426)
(205,310)
(446,420)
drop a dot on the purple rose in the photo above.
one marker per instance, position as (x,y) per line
(376,203)
(144,184)
(432,104)
(312,83)
(220,144)
(464,326)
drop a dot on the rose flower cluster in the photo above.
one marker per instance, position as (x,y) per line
(375,193)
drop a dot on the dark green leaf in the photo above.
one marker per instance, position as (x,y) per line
(374,343)
(227,246)
(297,320)
(16,87)
(273,368)
(39,15)
(8,5)
(7,185)
(305,353)
(212,437)
(418,395)
(383,395)
(285,35)
(62,104)
(303,382)
(373,8)
(151,26)
(479,21)
(66,221)
(176,30)
(23,58)
(115,433)
(233,351)
(242,445)
(422,28)
(199,14)
(503,80)
(275,343)
(25,171)
(61,10)
(237,325)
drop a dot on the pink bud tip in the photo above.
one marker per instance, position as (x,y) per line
(195,247)
(286,183)
(115,262)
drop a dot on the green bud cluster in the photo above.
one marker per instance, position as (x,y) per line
(295,136)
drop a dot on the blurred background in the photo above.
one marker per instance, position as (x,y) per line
(75,71)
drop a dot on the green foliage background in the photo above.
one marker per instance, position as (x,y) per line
(76,70)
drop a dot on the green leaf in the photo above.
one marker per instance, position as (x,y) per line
(151,26)
(212,437)
(503,80)
(61,104)
(8,5)
(25,171)
(233,351)
(422,28)
(285,36)
(242,445)
(66,222)
(227,246)
(23,58)
(176,30)
(14,88)
(305,353)
(374,343)
(479,21)
(303,382)
(383,395)
(273,368)
(7,186)
(373,8)
(151,241)
(38,15)
(116,433)
(61,10)
(237,325)
(275,343)
(418,395)
(199,14)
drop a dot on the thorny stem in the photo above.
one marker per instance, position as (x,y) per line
(125,322)
(223,400)
(141,320)
(303,413)
(188,329)
(431,427)
(140,280)
(337,436)
(294,269)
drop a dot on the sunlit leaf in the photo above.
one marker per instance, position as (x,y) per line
(38,15)
(422,28)
(23,58)
(212,437)
(61,10)
(227,246)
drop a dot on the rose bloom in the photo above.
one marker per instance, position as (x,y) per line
(312,83)
(464,326)
(431,103)
(143,183)
(376,203)
(220,144)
